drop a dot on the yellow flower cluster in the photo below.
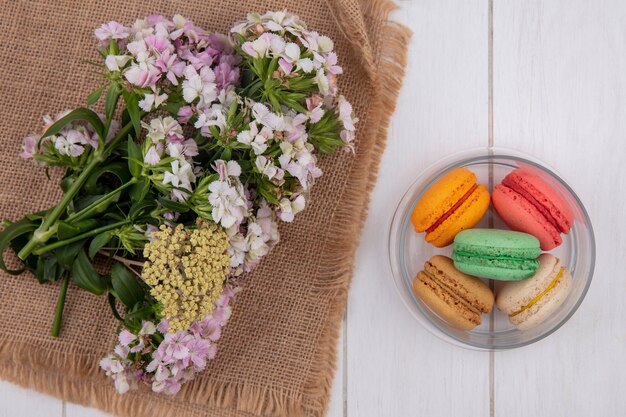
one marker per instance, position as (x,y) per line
(186,269)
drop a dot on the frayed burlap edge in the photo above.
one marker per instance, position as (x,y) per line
(71,379)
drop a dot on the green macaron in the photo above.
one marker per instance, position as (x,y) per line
(496,254)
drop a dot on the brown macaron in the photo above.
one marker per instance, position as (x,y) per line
(457,298)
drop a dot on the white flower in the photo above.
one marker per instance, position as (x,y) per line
(233,169)
(277,43)
(305,64)
(147,328)
(186,149)
(292,55)
(264,116)
(161,128)
(238,247)
(199,85)
(288,209)
(229,205)
(322,82)
(257,247)
(211,116)
(345,114)
(255,139)
(181,176)
(264,44)
(318,43)
(227,169)
(266,218)
(137,47)
(325,44)
(152,100)
(152,157)
(115,62)
(267,168)
(70,144)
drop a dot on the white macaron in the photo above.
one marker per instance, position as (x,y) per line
(532,301)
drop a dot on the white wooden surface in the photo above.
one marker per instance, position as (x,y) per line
(557,71)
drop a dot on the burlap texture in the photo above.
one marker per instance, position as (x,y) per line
(277,355)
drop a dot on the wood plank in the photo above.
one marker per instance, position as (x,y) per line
(395,367)
(18,401)
(560,94)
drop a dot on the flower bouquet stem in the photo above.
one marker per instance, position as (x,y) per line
(59,244)
(58,312)
(46,230)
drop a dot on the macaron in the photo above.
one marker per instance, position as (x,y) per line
(457,298)
(496,254)
(453,203)
(530,302)
(528,204)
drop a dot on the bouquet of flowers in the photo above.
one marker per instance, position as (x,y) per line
(205,142)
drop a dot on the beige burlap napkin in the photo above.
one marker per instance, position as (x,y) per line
(277,356)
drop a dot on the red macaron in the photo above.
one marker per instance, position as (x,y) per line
(528,204)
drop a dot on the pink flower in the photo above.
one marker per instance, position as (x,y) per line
(199,350)
(142,75)
(152,157)
(331,64)
(171,66)
(345,114)
(288,209)
(126,337)
(285,65)
(176,345)
(226,75)
(227,169)
(314,107)
(184,114)
(157,43)
(28,146)
(111,30)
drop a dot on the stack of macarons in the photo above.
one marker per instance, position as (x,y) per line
(533,285)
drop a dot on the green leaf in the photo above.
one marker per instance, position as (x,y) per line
(227,154)
(275,103)
(98,243)
(66,183)
(139,191)
(95,183)
(85,276)
(232,111)
(173,205)
(268,196)
(116,314)
(66,231)
(10,233)
(134,158)
(273,64)
(141,208)
(67,254)
(48,269)
(81,113)
(113,94)
(132,105)
(126,286)
(94,97)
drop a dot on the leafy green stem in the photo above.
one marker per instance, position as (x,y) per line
(42,234)
(58,313)
(93,232)
(96,205)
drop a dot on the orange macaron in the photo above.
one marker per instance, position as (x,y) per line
(453,203)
